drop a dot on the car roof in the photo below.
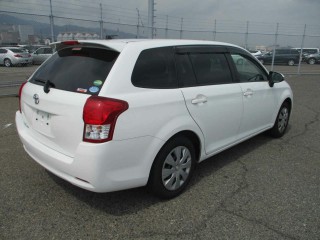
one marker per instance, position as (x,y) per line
(119,44)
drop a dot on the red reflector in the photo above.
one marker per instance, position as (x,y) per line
(20,93)
(100,115)
(71,42)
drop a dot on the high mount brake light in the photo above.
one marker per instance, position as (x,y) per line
(71,42)
(100,115)
(20,93)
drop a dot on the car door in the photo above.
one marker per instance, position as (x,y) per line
(213,100)
(259,100)
(37,55)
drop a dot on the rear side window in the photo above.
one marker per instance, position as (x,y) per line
(155,69)
(77,69)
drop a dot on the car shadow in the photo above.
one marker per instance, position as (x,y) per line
(133,200)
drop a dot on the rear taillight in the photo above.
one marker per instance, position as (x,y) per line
(100,115)
(18,55)
(20,93)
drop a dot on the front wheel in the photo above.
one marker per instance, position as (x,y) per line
(172,168)
(282,120)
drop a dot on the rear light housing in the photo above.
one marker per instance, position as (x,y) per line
(71,42)
(20,93)
(100,115)
(18,55)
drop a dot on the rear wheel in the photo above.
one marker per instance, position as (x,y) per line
(282,120)
(7,62)
(291,62)
(172,168)
(311,61)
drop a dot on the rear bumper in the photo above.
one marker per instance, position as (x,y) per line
(111,166)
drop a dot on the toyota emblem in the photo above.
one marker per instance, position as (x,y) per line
(36,98)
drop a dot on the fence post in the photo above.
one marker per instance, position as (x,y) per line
(167,23)
(274,46)
(181,28)
(302,43)
(246,36)
(138,25)
(101,22)
(51,22)
(215,30)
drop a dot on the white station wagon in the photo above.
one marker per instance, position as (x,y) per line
(116,114)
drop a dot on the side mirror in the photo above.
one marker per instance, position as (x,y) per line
(275,77)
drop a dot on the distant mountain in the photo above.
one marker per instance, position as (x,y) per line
(43,29)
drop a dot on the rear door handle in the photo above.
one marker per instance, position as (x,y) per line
(199,99)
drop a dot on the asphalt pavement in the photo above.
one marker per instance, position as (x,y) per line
(263,188)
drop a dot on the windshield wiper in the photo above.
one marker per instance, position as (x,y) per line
(47,84)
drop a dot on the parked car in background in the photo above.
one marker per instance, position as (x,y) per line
(256,52)
(41,54)
(12,56)
(307,51)
(313,58)
(282,56)
(108,115)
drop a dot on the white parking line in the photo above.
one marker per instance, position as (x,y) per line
(6,126)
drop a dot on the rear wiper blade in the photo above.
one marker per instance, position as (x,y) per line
(47,84)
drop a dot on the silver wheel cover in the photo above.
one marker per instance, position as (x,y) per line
(176,168)
(283,119)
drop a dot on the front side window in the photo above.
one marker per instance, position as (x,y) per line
(210,68)
(155,68)
(248,71)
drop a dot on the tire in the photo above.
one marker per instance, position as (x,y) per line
(172,169)
(311,61)
(291,62)
(7,62)
(280,125)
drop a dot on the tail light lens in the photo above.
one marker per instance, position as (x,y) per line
(20,93)
(100,115)
(18,55)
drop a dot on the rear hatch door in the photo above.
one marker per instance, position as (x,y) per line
(53,99)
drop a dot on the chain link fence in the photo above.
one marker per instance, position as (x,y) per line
(28,28)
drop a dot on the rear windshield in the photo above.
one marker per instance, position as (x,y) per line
(77,69)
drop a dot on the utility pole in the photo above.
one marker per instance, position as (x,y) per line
(51,22)
(151,18)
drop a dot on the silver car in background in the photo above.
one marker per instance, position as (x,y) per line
(41,54)
(10,56)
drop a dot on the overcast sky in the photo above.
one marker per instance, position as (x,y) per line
(198,15)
